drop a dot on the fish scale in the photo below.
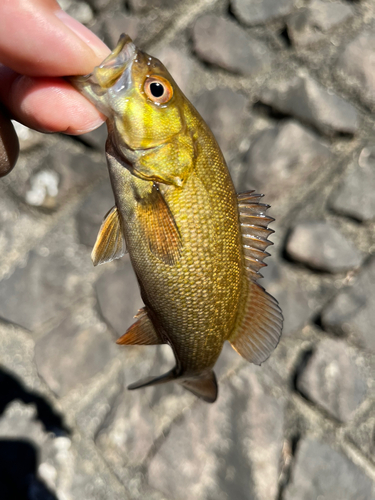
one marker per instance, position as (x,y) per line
(195,246)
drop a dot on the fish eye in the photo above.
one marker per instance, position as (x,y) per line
(158,90)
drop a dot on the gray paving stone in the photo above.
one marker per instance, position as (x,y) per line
(321,246)
(81,11)
(294,300)
(96,138)
(225,450)
(21,436)
(27,137)
(333,380)
(38,290)
(228,116)
(117,23)
(94,403)
(49,182)
(355,195)
(352,311)
(296,309)
(362,430)
(356,67)
(179,65)
(73,352)
(17,360)
(321,472)
(253,12)
(88,475)
(68,466)
(304,98)
(91,214)
(141,27)
(221,42)
(309,25)
(139,6)
(162,437)
(18,229)
(119,297)
(99,5)
(283,158)
(138,418)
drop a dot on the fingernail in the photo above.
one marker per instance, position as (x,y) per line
(96,45)
(90,128)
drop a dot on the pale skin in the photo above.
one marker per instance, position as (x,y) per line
(40,44)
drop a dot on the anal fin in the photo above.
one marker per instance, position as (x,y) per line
(110,242)
(142,332)
(260,330)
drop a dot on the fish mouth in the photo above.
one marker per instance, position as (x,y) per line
(112,75)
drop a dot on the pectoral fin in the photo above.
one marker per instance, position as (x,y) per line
(110,242)
(142,332)
(159,227)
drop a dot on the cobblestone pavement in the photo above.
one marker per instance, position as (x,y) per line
(288,87)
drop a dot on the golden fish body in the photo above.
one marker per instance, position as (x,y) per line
(194,244)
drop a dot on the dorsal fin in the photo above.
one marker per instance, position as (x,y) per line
(142,332)
(254,222)
(160,227)
(110,242)
(260,329)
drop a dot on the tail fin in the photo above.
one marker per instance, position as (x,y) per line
(145,382)
(204,386)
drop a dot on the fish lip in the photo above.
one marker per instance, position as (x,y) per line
(122,54)
(112,75)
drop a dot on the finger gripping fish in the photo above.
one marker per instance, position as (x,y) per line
(196,246)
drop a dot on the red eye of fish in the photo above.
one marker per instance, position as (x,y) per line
(158,90)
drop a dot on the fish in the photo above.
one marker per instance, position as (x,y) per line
(195,245)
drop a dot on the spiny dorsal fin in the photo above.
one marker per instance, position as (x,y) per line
(260,330)
(110,242)
(159,227)
(254,222)
(142,332)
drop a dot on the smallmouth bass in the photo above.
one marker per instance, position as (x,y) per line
(196,247)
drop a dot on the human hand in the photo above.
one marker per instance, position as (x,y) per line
(39,44)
